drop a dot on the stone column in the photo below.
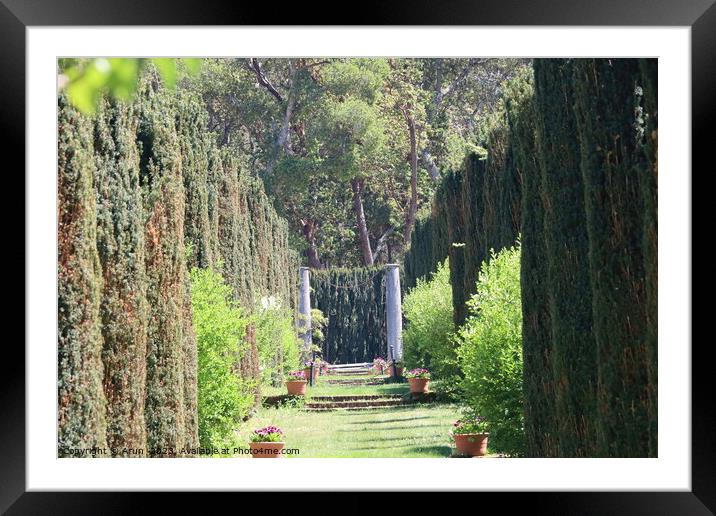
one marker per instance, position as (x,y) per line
(304,308)
(394,316)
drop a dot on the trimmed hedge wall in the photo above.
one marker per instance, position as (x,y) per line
(573,348)
(572,167)
(616,116)
(474,210)
(81,415)
(353,300)
(143,195)
(589,262)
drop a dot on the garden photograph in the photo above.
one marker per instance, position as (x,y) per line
(357,257)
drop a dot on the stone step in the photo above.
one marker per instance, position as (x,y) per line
(345,409)
(355,365)
(364,404)
(345,372)
(357,397)
(356,381)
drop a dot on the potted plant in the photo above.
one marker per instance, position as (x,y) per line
(379,365)
(296,383)
(324,367)
(471,436)
(317,366)
(419,379)
(307,369)
(398,368)
(267,442)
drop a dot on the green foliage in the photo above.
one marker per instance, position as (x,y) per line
(351,136)
(81,401)
(476,207)
(362,78)
(540,419)
(572,347)
(589,257)
(490,351)
(120,241)
(620,196)
(143,191)
(318,325)
(168,406)
(278,345)
(88,80)
(427,338)
(269,434)
(353,300)
(224,398)
(470,423)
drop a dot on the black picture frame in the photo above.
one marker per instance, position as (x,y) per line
(700,15)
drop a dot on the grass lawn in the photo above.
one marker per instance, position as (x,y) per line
(421,430)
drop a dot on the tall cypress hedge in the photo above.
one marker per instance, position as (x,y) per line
(120,241)
(195,146)
(353,300)
(453,221)
(571,166)
(163,191)
(573,357)
(144,194)
(615,131)
(80,397)
(541,434)
(648,74)
(474,209)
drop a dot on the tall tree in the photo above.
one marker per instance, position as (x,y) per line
(305,127)
(350,130)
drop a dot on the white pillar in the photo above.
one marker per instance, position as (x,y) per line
(304,308)
(394,316)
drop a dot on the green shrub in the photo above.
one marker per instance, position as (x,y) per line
(277,341)
(490,351)
(427,339)
(224,398)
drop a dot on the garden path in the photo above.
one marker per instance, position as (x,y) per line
(358,415)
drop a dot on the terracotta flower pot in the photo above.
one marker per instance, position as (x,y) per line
(296,387)
(419,385)
(398,369)
(308,372)
(472,445)
(266,450)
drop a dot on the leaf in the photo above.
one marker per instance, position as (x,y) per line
(167,69)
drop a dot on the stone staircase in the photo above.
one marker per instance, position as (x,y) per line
(368,380)
(362,369)
(355,402)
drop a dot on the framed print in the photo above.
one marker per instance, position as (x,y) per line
(359,249)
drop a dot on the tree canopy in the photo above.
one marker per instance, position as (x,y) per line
(349,149)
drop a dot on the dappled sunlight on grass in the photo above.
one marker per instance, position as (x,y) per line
(412,431)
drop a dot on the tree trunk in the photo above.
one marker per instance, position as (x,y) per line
(425,155)
(357,187)
(309,232)
(413,207)
(284,136)
(429,163)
